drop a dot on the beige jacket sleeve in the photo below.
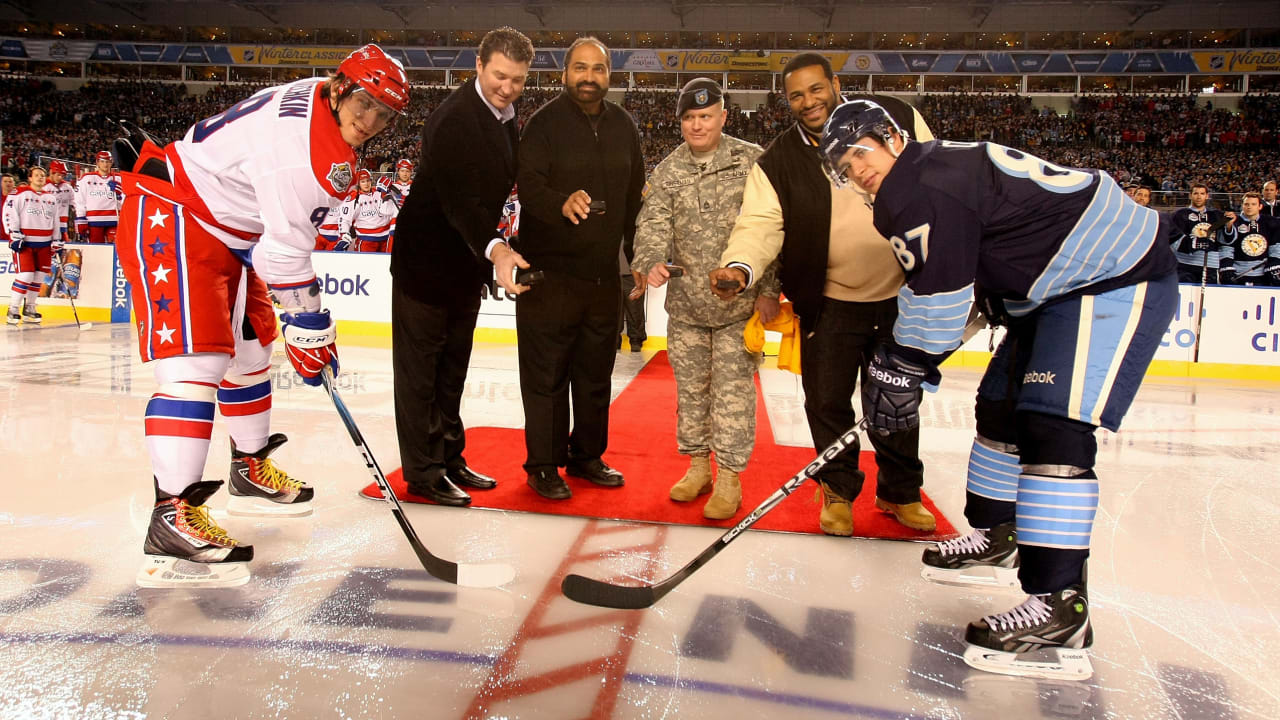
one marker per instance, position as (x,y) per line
(757,234)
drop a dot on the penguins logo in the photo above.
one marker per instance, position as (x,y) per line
(1254,245)
(1201,230)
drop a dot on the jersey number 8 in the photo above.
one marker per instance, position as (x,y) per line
(1053,178)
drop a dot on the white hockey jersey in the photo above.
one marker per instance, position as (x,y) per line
(97,200)
(400,191)
(31,216)
(66,194)
(371,214)
(327,233)
(263,175)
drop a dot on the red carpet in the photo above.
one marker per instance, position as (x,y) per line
(642,429)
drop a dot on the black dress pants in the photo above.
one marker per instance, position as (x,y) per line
(833,353)
(566,328)
(430,351)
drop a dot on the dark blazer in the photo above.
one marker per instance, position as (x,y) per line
(466,171)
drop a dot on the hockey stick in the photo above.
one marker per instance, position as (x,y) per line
(466,574)
(602,594)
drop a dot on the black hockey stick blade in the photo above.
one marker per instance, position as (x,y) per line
(480,575)
(602,594)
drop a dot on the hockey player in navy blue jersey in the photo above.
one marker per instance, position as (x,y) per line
(1194,236)
(1084,280)
(1250,252)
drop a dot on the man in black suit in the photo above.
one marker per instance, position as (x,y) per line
(581,177)
(445,244)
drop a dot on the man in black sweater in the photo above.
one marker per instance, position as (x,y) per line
(445,241)
(580,178)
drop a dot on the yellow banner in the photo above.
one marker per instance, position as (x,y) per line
(672,60)
(779,59)
(284,55)
(1256,61)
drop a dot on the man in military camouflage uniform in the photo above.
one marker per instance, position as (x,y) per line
(692,200)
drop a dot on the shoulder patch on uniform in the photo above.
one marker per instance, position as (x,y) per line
(340,177)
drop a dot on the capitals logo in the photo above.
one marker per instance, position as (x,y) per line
(340,177)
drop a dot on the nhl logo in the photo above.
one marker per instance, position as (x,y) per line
(340,177)
(1217,62)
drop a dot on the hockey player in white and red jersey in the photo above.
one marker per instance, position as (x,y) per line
(30,217)
(97,202)
(327,235)
(66,193)
(209,224)
(404,180)
(369,217)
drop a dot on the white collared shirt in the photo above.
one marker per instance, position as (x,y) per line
(503,115)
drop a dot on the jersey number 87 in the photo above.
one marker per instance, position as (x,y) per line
(906,250)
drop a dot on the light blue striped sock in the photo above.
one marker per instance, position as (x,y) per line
(993,474)
(1057,512)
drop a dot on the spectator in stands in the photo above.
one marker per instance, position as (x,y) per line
(1270,207)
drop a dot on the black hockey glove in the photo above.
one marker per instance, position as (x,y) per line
(891,392)
(1226,276)
(1273,270)
(991,307)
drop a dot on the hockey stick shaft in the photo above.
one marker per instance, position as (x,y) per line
(438,567)
(62,263)
(595,592)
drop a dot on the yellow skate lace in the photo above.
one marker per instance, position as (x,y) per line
(277,478)
(198,520)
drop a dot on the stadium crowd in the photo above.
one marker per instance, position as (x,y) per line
(1162,141)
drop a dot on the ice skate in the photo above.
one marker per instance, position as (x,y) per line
(12,317)
(186,548)
(1044,637)
(983,558)
(30,315)
(260,489)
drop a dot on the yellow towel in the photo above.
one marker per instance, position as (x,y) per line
(787,323)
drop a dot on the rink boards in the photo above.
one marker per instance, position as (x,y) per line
(1238,333)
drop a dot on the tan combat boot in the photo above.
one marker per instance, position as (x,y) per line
(696,481)
(914,515)
(837,513)
(726,499)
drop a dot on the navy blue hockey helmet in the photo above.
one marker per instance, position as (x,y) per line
(849,123)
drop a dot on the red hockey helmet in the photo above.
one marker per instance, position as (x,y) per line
(57,166)
(103,155)
(404,163)
(363,175)
(377,73)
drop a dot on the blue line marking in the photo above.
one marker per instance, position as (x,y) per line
(422,654)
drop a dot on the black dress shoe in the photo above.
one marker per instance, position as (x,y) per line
(549,485)
(596,471)
(441,491)
(466,477)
